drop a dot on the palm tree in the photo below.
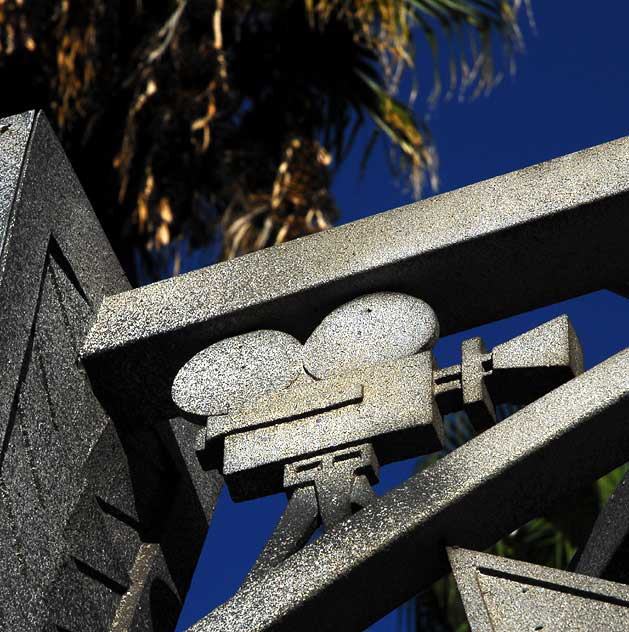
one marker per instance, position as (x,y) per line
(200,122)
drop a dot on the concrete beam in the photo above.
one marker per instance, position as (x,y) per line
(487,251)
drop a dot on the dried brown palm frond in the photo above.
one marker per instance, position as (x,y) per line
(15,30)
(176,113)
(166,99)
(387,27)
(299,203)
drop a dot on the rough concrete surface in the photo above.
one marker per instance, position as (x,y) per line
(101,520)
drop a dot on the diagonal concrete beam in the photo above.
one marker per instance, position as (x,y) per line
(487,251)
(387,552)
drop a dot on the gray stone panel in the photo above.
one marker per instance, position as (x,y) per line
(81,494)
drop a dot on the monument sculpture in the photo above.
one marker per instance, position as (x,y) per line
(302,369)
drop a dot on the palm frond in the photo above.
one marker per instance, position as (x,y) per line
(386,27)
(171,107)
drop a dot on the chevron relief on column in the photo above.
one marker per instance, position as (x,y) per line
(53,418)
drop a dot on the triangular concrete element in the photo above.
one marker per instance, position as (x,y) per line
(553,346)
(14,135)
(504,595)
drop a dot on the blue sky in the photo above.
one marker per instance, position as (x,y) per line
(571,91)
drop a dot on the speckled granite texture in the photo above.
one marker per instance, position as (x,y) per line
(101,519)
